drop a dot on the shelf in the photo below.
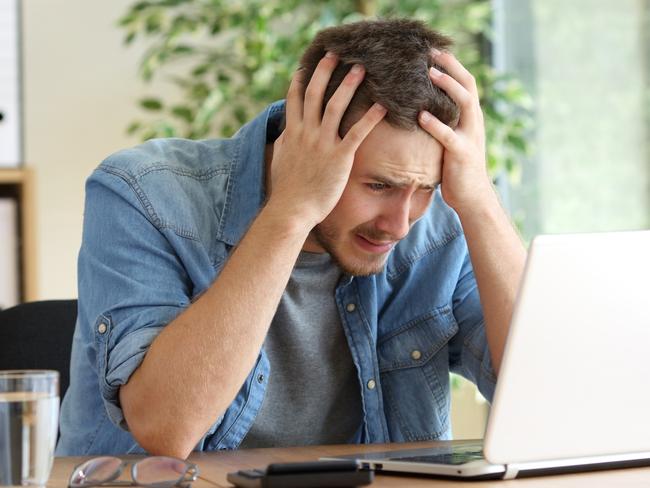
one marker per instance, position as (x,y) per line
(12,176)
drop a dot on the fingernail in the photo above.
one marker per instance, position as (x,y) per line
(434,52)
(380,108)
(425,116)
(357,68)
(434,72)
(330,54)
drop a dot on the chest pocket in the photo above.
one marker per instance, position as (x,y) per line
(414,369)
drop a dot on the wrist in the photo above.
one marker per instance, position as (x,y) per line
(483,204)
(287,220)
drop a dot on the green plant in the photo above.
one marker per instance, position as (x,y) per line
(231,58)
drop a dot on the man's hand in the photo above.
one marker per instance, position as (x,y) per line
(496,251)
(465,182)
(311,163)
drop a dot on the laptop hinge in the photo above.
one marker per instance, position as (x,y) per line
(511,472)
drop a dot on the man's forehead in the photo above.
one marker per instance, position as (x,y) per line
(400,156)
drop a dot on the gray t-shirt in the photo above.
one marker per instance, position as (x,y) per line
(313,395)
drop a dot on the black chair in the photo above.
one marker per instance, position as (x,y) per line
(38,335)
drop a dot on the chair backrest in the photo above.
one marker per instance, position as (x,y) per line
(38,335)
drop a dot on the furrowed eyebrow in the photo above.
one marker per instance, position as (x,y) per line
(401,183)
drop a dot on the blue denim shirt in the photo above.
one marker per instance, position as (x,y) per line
(160,220)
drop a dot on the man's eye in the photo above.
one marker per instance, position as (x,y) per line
(378,186)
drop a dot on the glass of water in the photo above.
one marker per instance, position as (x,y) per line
(29,421)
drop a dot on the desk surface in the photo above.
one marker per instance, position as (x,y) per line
(215,465)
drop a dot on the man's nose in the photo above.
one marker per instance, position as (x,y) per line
(395,219)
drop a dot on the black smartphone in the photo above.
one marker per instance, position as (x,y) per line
(313,474)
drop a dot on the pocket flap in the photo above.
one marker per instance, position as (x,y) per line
(417,341)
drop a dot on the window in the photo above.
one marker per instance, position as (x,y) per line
(586,64)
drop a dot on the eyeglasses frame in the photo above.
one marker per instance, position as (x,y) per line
(191,469)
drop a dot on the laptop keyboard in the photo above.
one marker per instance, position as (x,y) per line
(454,457)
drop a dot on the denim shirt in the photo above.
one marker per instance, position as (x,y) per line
(160,221)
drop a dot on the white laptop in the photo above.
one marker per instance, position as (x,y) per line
(573,392)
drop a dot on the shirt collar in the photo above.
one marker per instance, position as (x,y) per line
(245,193)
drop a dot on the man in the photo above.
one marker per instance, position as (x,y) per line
(304,281)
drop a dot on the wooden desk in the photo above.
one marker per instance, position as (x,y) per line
(215,465)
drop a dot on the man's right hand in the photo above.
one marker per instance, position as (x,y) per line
(311,163)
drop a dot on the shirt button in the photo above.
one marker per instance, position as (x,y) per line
(102,328)
(416,354)
(371,384)
(260,378)
(351,307)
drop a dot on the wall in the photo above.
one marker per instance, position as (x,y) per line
(80,88)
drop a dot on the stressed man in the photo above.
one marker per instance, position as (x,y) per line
(312,279)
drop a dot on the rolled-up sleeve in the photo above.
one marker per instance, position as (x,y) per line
(131,282)
(469,351)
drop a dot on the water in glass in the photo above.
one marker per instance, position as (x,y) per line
(28,431)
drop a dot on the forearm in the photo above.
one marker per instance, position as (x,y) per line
(498,258)
(197,364)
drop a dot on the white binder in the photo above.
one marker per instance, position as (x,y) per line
(9,289)
(10,107)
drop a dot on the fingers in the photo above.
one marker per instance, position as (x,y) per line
(315,91)
(456,70)
(307,109)
(460,85)
(441,132)
(463,98)
(362,128)
(338,103)
(294,105)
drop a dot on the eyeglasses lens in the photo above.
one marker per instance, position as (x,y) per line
(96,470)
(156,470)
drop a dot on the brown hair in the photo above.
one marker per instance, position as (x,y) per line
(396,55)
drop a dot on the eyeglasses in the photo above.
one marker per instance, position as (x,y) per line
(155,472)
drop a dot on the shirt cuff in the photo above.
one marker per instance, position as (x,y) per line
(118,362)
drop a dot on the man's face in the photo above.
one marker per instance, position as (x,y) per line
(391,185)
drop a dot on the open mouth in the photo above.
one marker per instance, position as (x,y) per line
(373,246)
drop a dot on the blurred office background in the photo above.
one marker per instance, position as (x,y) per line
(585,64)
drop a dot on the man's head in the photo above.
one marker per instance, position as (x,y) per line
(398,165)
(396,55)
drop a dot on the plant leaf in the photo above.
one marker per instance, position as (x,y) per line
(152,104)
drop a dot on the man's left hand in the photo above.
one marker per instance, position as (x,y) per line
(465,182)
